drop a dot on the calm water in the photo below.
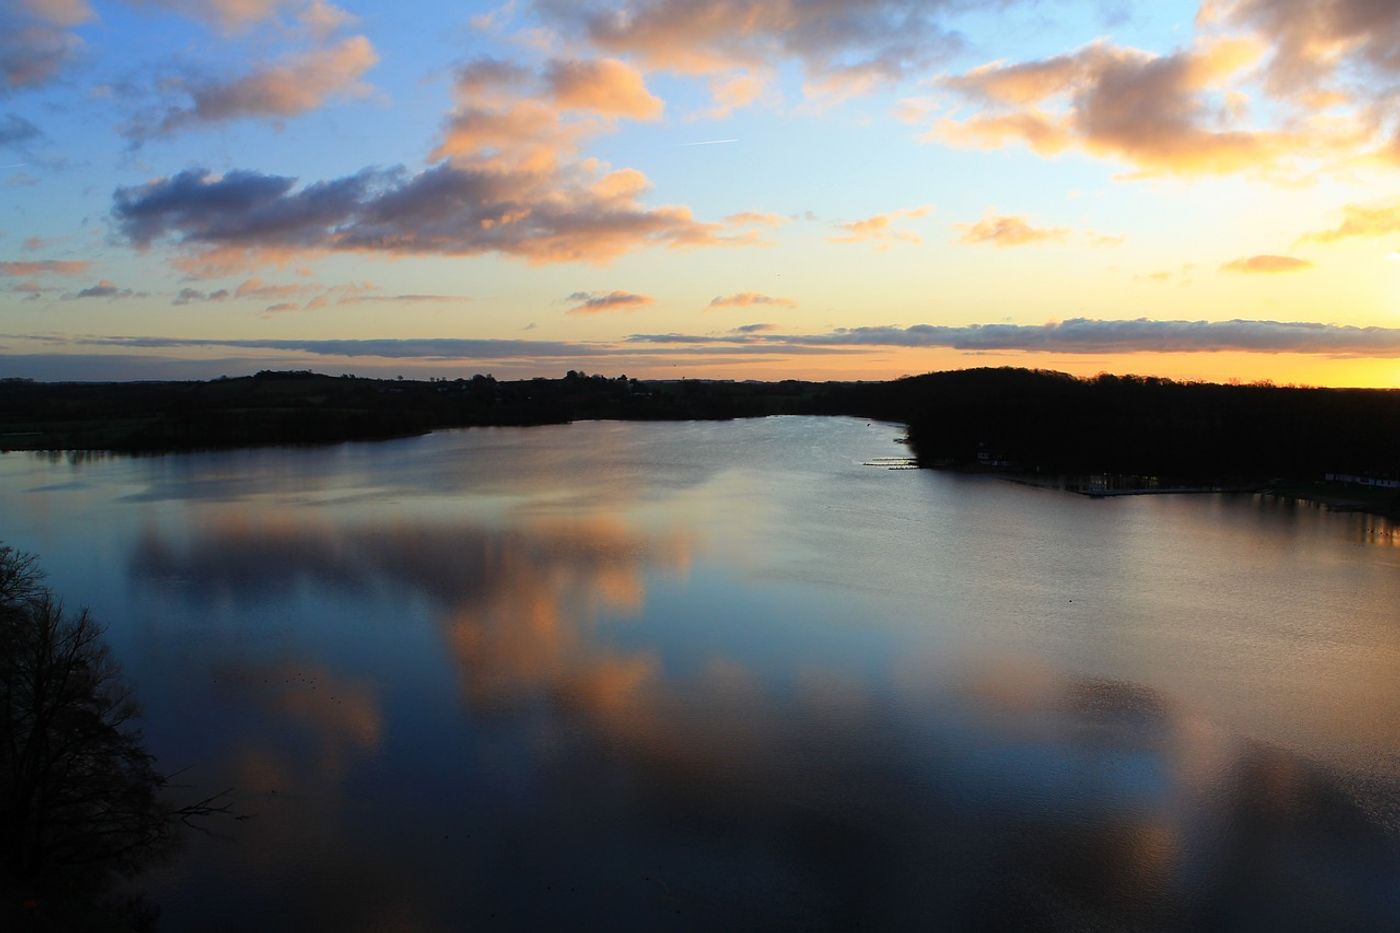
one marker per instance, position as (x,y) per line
(704,675)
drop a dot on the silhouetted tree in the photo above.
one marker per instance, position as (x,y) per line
(80,797)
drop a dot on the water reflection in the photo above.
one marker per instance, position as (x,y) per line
(82,803)
(342,714)
(590,773)
(510,603)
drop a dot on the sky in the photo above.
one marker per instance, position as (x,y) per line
(727,189)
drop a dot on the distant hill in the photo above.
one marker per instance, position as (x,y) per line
(300,407)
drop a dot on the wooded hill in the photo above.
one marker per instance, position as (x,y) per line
(1016,419)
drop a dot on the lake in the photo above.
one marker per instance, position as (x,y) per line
(716,675)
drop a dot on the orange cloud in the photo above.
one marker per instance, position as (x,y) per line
(1107,239)
(1313,41)
(734,92)
(1267,264)
(216,262)
(755,218)
(749,299)
(1025,83)
(35,41)
(511,118)
(1044,133)
(512,182)
(688,38)
(524,135)
(1359,220)
(591,303)
(351,293)
(490,81)
(229,15)
(606,86)
(257,288)
(879,228)
(293,86)
(1155,112)
(321,19)
(852,43)
(44,267)
(59,12)
(32,55)
(1010,231)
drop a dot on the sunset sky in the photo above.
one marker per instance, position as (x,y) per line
(701,188)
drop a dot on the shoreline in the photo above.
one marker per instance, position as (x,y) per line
(1335,497)
(1094,491)
(1139,437)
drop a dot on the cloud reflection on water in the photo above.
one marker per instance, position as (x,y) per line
(599,784)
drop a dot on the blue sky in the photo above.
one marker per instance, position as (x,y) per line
(200,188)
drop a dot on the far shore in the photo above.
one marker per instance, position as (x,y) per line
(1335,497)
(1103,437)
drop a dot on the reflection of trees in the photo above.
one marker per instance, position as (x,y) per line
(79,795)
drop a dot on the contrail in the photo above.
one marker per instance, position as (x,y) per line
(708,142)
(15,165)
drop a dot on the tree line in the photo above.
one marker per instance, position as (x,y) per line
(1031,420)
